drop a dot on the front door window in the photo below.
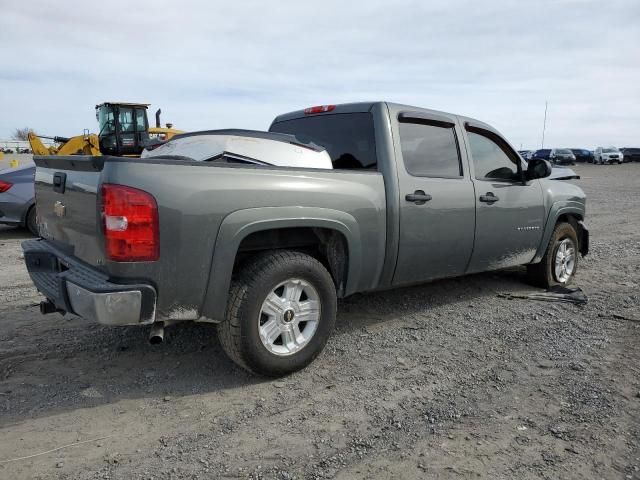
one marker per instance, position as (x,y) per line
(491,161)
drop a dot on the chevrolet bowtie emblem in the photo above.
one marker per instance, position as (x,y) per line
(59,209)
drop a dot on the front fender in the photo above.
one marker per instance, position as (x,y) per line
(565,207)
(241,223)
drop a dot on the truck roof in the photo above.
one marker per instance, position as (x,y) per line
(357,107)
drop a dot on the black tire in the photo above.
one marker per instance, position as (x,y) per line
(239,332)
(542,274)
(31,222)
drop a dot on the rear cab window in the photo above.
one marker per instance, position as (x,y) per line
(349,138)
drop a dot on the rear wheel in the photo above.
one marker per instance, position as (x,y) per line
(281,311)
(31,223)
(560,261)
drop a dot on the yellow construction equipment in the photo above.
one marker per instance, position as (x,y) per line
(123,131)
(86,144)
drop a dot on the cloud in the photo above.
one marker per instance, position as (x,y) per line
(212,64)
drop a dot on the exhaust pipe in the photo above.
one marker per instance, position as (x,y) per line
(158,112)
(156,335)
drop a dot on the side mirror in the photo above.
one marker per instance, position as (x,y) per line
(538,168)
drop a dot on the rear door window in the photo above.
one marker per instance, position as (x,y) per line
(430,150)
(347,137)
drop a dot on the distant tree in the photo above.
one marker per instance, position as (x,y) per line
(22,133)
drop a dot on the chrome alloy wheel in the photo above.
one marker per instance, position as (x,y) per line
(289,317)
(565,261)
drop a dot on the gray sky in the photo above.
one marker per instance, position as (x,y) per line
(212,64)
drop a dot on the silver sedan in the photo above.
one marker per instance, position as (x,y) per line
(17,200)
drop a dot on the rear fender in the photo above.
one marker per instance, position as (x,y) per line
(238,225)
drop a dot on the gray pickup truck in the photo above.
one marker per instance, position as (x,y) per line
(212,227)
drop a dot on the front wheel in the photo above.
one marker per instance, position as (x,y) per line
(560,261)
(281,311)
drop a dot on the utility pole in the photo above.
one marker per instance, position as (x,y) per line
(544,124)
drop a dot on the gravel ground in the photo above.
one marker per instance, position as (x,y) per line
(446,380)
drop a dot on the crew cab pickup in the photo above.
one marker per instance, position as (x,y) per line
(261,232)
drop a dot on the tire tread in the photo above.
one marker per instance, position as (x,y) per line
(248,278)
(539,273)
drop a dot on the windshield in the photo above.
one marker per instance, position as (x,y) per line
(563,151)
(348,137)
(106,122)
(610,150)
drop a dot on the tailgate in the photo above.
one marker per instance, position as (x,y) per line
(66,190)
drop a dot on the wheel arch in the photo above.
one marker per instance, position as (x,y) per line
(25,212)
(259,229)
(570,212)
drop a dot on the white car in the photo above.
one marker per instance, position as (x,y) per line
(603,155)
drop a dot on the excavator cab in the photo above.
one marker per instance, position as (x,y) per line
(123,128)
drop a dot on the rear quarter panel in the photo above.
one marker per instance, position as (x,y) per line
(200,210)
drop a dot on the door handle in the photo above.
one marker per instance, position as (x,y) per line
(489,198)
(418,197)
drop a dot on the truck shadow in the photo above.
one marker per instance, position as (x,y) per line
(64,363)
(14,233)
(405,305)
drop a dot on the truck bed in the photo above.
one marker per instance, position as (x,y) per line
(199,204)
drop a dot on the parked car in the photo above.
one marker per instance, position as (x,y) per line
(583,155)
(630,154)
(265,250)
(607,155)
(542,154)
(7,151)
(562,156)
(526,154)
(17,202)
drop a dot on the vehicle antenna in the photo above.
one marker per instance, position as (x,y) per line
(544,124)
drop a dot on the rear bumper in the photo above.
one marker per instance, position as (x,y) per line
(11,213)
(74,287)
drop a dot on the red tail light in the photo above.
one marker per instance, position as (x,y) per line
(130,220)
(319,109)
(4,186)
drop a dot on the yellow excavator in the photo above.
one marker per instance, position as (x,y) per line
(123,130)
